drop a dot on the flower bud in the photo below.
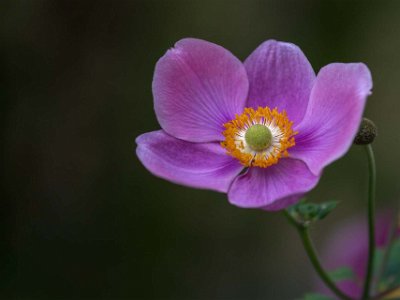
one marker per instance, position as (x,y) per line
(367,132)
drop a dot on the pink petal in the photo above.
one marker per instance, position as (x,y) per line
(198,86)
(270,187)
(283,202)
(334,114)
(280,76)
(196,165)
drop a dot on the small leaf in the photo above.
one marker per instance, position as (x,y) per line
(314,296)
(342,273)
(377,264)
(308,210)
(392,274)
(305,213)
(326,208)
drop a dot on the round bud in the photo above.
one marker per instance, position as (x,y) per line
(258,137)
(366,133)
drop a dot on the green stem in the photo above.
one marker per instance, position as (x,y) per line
(312,255)
(371,221)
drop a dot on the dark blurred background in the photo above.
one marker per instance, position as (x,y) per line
(82,218)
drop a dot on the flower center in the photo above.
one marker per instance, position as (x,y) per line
(259,138)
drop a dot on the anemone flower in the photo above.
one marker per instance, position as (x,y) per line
(348,247)
(261,131)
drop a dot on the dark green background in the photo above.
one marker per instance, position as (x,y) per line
(82,218)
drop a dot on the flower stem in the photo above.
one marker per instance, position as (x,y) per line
(371,221)
(312,255)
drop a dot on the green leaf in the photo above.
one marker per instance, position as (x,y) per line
(326,208)
(392,273)
(306,212)
(378,260)
(342,273)
(314,296)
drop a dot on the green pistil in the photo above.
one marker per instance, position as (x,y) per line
(258,137)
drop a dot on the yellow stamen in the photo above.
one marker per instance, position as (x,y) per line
(277,123)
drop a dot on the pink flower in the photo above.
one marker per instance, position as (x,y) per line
(269,115)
